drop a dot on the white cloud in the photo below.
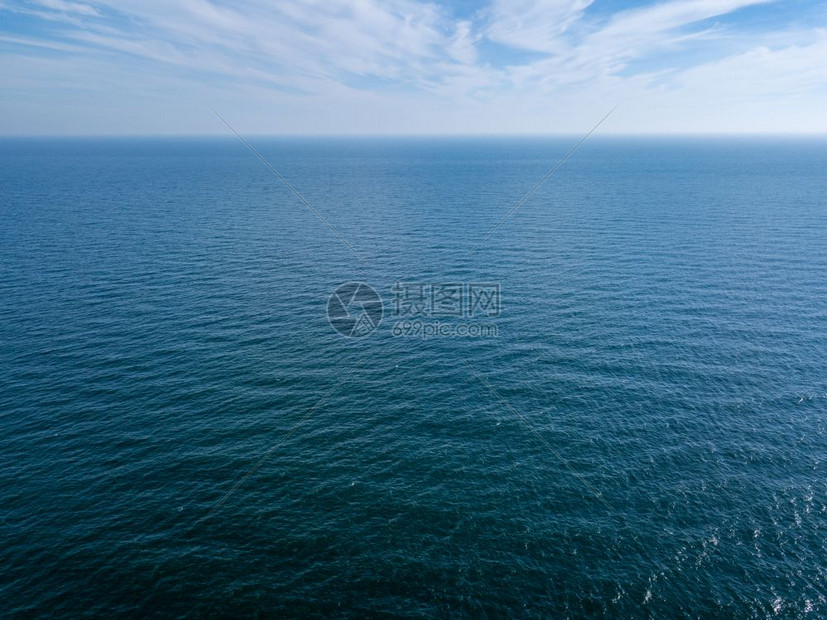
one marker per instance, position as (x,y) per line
(408,65)
(64,6)
(533,24)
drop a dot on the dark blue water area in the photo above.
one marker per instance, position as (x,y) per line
(644,435)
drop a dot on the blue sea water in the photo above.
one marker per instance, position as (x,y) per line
(643,437)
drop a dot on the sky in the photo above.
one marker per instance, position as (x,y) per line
(153,67)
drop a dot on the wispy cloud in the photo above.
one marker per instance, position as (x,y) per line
(408,65)
(533,24)
(62,6)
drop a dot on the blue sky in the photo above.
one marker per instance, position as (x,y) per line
(114,67)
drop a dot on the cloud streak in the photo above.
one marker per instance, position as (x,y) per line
(405,65)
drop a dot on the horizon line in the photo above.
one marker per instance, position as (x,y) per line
(609,135)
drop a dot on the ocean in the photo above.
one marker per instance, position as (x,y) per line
(214,403)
